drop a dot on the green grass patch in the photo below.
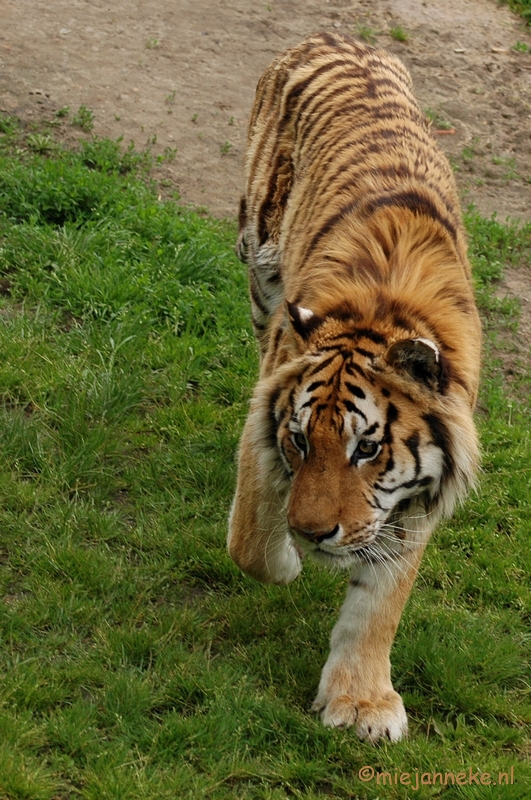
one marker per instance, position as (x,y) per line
(522,7)
(137,662)
(399,34)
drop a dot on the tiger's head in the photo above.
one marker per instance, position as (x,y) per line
(372,441)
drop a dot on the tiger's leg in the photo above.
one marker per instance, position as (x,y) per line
(355,687)
(258,539)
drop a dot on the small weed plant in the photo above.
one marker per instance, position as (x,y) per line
(83,118)
(399,34)
(437,120)
(366,33)
(137,662)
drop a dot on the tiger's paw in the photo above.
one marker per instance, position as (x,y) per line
(286,564)
(373,720)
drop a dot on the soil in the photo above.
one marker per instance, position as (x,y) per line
(178,76)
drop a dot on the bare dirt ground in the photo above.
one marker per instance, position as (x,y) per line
(178,76)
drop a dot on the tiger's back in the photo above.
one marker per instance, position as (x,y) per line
(360,435)
(336,142)
(337,118)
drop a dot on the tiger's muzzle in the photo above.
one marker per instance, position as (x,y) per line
(315,537)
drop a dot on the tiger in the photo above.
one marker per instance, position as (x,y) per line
(360,435)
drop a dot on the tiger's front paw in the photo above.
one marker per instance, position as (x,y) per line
(279,561)
(286,564)
(384,718)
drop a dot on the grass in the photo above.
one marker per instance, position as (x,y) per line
(509,165)
(366,33)
(399,34)
(137,662)
(436,120)
(522,7)
(83,118)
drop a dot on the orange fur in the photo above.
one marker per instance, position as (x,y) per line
(360,434)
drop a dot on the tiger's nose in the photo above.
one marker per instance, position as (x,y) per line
(316,536)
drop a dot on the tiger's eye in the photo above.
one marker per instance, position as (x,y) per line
(367,448)
(301,442)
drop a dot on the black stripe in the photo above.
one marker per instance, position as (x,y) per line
(272,428)
(285,460)
(341,84)
(345,313)
(375,337)
(355,390)
(359,149)
(365,353)
(299,88)
(441,439)
(406,485)
(242,214)
(448,373)
(392,416)
(315,385)
(412,443)
(329,39)
(352,368)
(353,335)
(331,223)
(414,201)
(341,351)
(309,402)
(341,425)
(257,299)
(326,112)
(350,406)
(380,138)
(263,218)
(278,336)
(322,365)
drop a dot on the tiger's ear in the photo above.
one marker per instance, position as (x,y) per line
(418,358)
(302,321)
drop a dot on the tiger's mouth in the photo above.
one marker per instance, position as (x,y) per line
(326,553)
(344,556)
(368,555)
(335,560)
